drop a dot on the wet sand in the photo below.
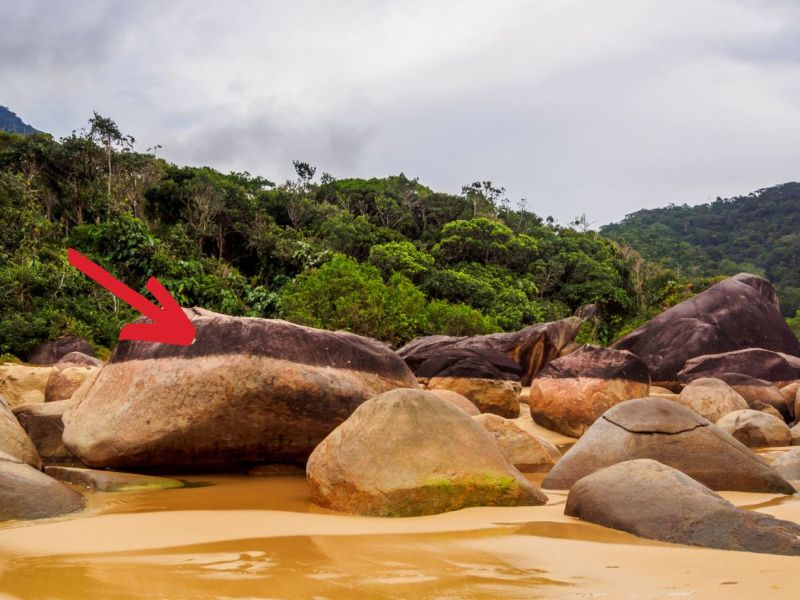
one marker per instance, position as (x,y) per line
(250,537)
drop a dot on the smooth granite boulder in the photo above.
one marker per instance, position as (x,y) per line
(663,430)
(247,391)
(756,429)
(457,400)
(737,313)
(407,453)
(45,427)
(767,365)
(759,391)
(571,392)
(27,493)
(530,348)
(711,398)
(13,439)
(655,501)
(52,352)
(528,453)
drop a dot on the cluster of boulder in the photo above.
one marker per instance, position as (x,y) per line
(664,418)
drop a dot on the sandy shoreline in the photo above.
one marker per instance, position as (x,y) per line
(274,544)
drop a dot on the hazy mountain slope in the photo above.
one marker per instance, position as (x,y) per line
(10,122)
(759,233)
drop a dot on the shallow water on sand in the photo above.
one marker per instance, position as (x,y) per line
(249,537)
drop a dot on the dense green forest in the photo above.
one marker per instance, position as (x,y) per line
(387,257)
(758,233)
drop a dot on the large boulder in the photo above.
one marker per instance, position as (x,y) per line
(65,379)
(571,392)
(406,453)
(788,464)
(758,392)
(497,396)
(23,384)
(80,359)
(531,348)
(655,501)
(487,378)
(768,365)
(45,427)
(756,429)
(665,431)
(247,391)
(711,398)
(27,493)
(52,352)
(459,401)
(13,439)
(528,453)
(737,313)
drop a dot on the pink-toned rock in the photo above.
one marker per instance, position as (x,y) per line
(573,391)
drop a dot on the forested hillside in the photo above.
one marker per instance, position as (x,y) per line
(759,233)
(388,258)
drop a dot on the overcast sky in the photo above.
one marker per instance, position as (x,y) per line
(579,106)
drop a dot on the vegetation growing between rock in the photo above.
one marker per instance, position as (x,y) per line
(385,257)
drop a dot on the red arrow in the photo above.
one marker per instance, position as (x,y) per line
(169,324)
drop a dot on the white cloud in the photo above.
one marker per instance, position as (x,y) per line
(580,106)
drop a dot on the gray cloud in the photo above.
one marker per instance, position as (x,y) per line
(579,106)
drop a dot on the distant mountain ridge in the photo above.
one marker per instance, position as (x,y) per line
(9,121)
(758,233)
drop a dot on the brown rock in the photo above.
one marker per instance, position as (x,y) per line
(458,401)
(737,313)
(111,481)
(500,397)
(758,390)
(80,359)
(573,391)
(26,493)
(665,431)
(23,384)
(13,439)
(526,452)
(406,453)
(654,501)
(247,391)
(795,433)
(44,425)
(774,367)
(711,398)
(788,464)
(789,393)
(766,408)
(756,429)
(50,353)
(531,348)
(65,380)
